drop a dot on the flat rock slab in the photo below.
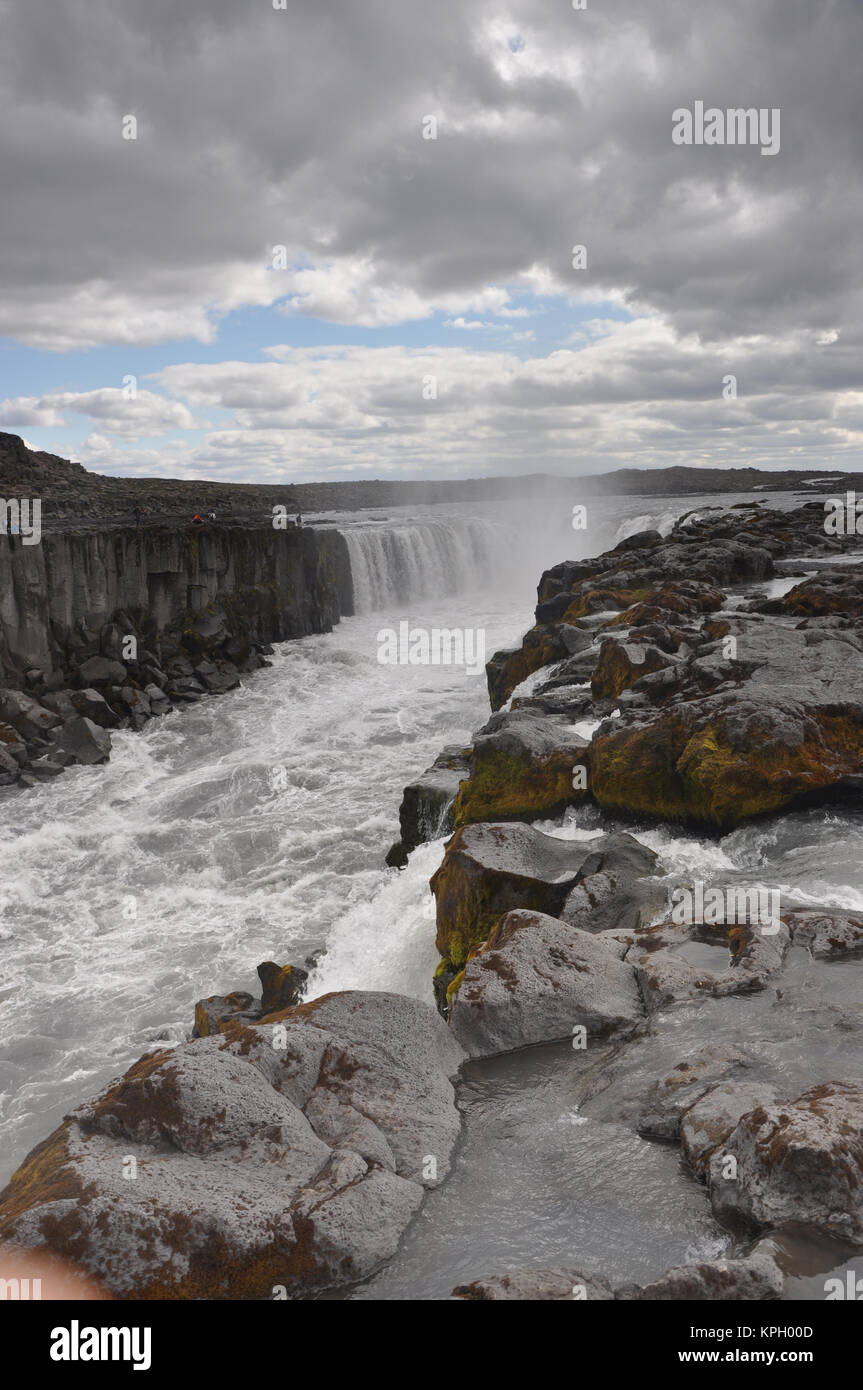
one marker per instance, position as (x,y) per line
(666,977)
(291,1153)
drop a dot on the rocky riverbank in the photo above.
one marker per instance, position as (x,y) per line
(107,629)
(285,1150)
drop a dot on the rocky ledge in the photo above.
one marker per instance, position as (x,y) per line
(107,630)
(267,1161)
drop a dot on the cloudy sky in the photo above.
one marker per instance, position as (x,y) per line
(282,274)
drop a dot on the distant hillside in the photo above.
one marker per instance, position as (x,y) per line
(69,491)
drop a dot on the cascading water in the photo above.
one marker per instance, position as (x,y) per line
(228,866)
(404,561)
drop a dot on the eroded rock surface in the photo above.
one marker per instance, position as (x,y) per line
(291,1153)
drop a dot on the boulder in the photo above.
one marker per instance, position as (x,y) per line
(236,1193)
(542,645)
(755,956)
(828,935)
(798,1161)
(93,706)
(707,1124)
(784,725)
(491,869)
(101,670)
(219,1009)
(26,716)
(621,664)
(672,1096)
(424,813)
(10,769)
(12,744)
(535,981)
(82,741)
(281,986)
(521,767)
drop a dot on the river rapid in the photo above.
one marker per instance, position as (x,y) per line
(254,826)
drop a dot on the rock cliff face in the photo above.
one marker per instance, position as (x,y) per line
(55,596)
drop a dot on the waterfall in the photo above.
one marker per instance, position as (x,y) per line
(399,562)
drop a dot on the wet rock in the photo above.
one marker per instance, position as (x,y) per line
(828,935)
(537,979)
(236,1193)
(159,702)
(507,669)
(82,741)
(218,679)
(785,724)
(491,869)
(12,746)
(621,664)
(672,1096)
(45,769)
(706,1125)
(186,690)
(212,1013)
(798,1161)
(91,705)
(756,956)
(281,985)
(424,811)
(616,899)
(745,1280)
(536,1286)
(521,767)
(10,769)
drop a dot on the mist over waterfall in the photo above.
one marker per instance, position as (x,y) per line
(432,558)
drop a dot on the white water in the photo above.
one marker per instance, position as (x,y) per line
(255,826)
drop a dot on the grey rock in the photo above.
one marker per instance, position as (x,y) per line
(671,1096)
(666,977)
(536,1286)
(798,1161)
(755,1278)
(83,741)
(94,706)
(707,1124)
(828,935)
(535,981)
(100,670)
(27,716)
(237,1191)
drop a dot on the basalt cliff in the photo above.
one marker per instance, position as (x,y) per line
(105,625)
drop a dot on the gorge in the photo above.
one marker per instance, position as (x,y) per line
(682,1028)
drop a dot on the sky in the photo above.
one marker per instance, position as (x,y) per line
(253,240)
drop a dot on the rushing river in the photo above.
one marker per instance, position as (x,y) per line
(254,827)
